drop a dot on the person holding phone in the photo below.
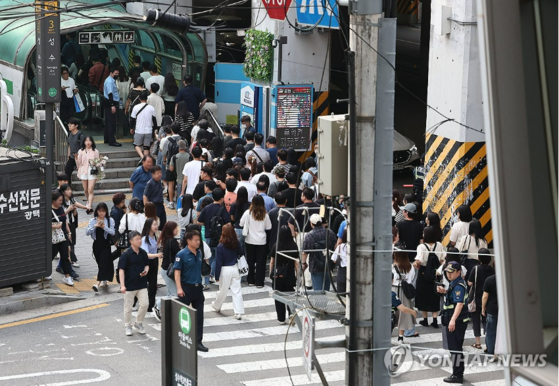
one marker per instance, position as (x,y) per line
(133,270)
(68,86)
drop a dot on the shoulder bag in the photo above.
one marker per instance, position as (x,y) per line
(472,295)
(407,288)
(123,241)
(464,252)
(242,263)
(171,267)
(57,234)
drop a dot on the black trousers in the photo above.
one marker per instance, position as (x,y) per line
(62,249)
(110,125)
(160,210)
(256,259)
(67,109)
(69,169)
(73,256)
(455,341)
(194,297)
(152,282)
(281,284)
(477,319)
(169,108)
(341,280)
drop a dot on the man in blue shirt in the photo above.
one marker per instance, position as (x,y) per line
(71,50)
(188,277)
(455,318)
(261,189)
(112,99)
(271,148)
(153,192)
(192,96)
(140,177)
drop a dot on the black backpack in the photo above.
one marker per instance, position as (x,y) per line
(318,257)
(407,288)
(216,224)
(172,148)
(432,265)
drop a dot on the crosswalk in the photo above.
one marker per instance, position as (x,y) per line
(255,350)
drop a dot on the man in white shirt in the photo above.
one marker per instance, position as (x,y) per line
(251,189)
(191,172)
(157,102)
(262,156)
(155,77)
(142,123)
(268,166)
(145,74)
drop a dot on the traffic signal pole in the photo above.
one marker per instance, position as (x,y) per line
(371,135)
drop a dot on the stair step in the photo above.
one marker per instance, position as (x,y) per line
(105,184)
(111,173)
(121,154)
(122,162)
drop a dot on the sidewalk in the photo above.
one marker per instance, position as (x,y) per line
(84,253)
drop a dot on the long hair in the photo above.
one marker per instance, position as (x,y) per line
(147,229)
(92,142)
(475,230)
(170,85)
(101,206)
(402,261)
(435,222)
(229,237)
(182,110)
(150,211)
(257,208)
(168,232)
(122,74)
(186,204)
(220,171)
(242,201)
(285,242)
(396,200)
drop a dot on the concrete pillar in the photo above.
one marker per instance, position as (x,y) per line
(455,156)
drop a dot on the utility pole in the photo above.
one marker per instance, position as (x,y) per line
(47,35)
(371,123)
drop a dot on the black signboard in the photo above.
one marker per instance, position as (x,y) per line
(294,117)
(179,344)
(47,25)
(106,36)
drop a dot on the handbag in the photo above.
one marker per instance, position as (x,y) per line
(206,268)
(57,234)
(407,288)
(242,265)
(123,241)
(171,268)
(464,252)
(78,103)
(472,296)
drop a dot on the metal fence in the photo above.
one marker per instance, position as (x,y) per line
(60,144)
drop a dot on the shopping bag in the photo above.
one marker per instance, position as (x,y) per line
(78,103)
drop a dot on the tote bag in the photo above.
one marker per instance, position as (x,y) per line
(57,234)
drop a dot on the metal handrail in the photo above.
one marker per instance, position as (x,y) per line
(214,124)
(60,143)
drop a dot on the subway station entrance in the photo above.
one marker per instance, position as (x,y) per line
(178,54)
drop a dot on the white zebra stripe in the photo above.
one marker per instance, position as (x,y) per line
(331,376)
(278,363)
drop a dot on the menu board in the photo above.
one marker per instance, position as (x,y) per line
(294,117)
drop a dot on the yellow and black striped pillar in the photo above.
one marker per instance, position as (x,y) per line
(456,174)
(407,10)
(321,106)
(131,54)
(157,61)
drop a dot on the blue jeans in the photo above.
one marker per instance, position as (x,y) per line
(491,333)
(212,264)
(171,286)
(410,332)
(317,279)
(159,162)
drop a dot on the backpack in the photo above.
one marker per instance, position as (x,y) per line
(319,258)
(216,224)
(407,288)
(172,147)
(432,264)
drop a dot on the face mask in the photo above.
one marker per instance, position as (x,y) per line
(244,127)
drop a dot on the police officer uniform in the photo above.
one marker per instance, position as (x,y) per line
(456,293)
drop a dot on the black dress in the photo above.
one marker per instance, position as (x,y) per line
(102,253)
(426,299)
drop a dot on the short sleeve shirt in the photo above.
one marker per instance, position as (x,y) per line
(210,212)
(75,141)
(490,286)
(133,264)
(154,191)
(190,266)
(192,96)
(144,123)
(458,294)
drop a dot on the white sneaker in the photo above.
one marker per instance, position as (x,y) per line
(165,190)
(215,309)
(140,328)
(75,264)
(104,283)
(238,316)
(57,256)
(129,331)
(68,281)
(48,278)
(171,205)
(280,322)
(95,287)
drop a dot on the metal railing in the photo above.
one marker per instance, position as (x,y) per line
(214,124)
(60,144)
